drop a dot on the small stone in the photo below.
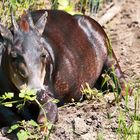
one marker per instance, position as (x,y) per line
(80,126)
(89,121)
(60,131)
(109,97)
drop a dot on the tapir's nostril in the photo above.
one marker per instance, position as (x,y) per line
(40,88)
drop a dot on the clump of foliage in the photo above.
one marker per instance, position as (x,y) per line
(18,6)
(130,131)
(109,83)
(70,6)
(27,129)
(90,93)
(76,6)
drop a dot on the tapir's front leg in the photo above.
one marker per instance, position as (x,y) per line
(51,112)
(48,106)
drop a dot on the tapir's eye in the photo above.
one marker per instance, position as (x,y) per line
(43,55)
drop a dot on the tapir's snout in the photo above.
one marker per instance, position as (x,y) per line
(36,84)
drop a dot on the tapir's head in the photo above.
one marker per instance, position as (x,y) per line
(27,55)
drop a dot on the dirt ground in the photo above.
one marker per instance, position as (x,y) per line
(90,120)
(98,119)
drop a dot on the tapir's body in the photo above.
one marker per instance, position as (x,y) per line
(77,51)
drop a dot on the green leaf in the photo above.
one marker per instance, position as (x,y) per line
(28,94)
(19,106)
(22,135)
(13,4)
(13,127)
(32,123)
(8,95)
(50,125)
(21,95)
(7,104)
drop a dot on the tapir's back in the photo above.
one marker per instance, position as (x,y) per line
(79,48)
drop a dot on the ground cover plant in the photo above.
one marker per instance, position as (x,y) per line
(27,129)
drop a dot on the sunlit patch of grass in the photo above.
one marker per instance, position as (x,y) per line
(109,83)
(70,6)
(76,6)
(6,6)
(27,130)
(130,130)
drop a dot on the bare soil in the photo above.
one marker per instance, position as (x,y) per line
(98,118)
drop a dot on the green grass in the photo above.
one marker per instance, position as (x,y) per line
(70,6)
(131,130)
(18,6)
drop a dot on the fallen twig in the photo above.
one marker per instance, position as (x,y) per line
(111,13)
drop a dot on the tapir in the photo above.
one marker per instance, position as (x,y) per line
(55,54)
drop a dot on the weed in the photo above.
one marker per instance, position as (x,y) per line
(27,129)
(18,6)
(70,6)
(90,93)
(131,130)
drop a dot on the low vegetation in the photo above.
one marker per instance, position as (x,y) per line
(70,6)
(27,129)
(131,130)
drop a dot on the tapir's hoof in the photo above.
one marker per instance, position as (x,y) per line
(51,117)
(48,106)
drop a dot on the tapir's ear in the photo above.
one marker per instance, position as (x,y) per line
(24,25)
(40,24)
(6,33)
